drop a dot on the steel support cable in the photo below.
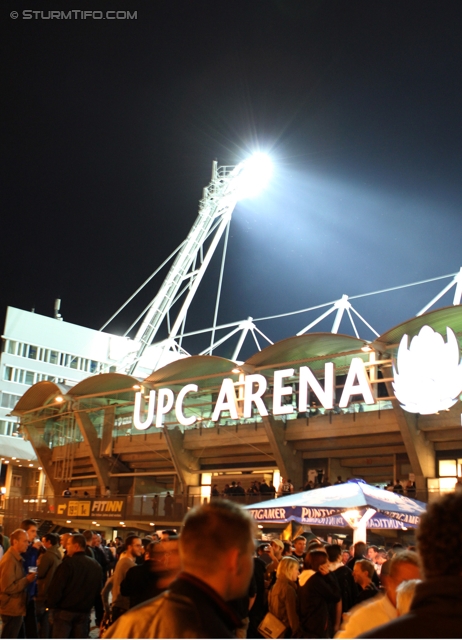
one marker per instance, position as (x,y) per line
(360,295)
(220,282)
(142,286)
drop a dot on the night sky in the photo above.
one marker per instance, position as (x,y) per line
(110,128)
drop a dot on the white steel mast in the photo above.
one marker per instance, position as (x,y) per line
(219,199)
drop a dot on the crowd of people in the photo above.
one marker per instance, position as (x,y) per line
(212,581)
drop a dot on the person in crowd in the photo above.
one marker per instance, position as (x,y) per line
(167,534)
(410,489)
(63,538)
(371,553)
(436,609)
(259,607)
(404,566)
(215,493)
(320,598)
(272,489)
(47,565)
(363,572)
(89,550)
(404,596)
(264,489)
(263,553)
(73,590)
(288,550)
(398,488)
(133,549)
(283,598)
(286,487)
(168,505)
(344,577)
(275,551)
(5,539)
(358,552)
(101,559)
(30,560)
(346,556)
(14,583)
(299,552)
(148,580)
(195,605)
(155,505)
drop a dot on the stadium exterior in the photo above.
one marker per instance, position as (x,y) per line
(89,436)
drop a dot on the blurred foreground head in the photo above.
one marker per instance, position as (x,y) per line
(439,537)
(216,545)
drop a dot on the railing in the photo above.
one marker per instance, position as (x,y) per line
(141,508)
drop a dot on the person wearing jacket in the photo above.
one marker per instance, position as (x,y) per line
(47,565)
(436,609)
(196,604)
(13,586)
(320,598)
(283,598)
(73,590)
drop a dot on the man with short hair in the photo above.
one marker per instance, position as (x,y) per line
(133,550)
(73,590)
(47,565)
(299,552)
(404,566)
(13,586)
(436,609)
(362,574)
(102,560)
(195,605)
(343,575)
(30,560)
(148,580)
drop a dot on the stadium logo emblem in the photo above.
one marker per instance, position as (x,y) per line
(428,374)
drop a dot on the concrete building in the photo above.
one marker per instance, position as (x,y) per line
(205,420)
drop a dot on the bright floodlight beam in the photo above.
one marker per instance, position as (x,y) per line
(256,174)
(228,185)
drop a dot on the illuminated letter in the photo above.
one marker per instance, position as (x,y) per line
(357,370)
(325,396)
(279,391)
(226,401)
(163,408)
(136,412)
(254,396)
(179,405)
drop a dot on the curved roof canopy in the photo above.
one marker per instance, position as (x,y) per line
(304,347)
(37,396)
(210,367)
(103,383)
(438,320)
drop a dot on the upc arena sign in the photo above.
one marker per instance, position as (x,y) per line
(427,379)
(254,386)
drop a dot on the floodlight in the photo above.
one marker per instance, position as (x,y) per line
(255,175)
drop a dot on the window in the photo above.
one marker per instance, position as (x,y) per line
(6,427)
(74,363)
(9,400)
(447,468)
(32,352)
(93,366)
(29,377)
(8,374)
(53,357)
(12,346)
